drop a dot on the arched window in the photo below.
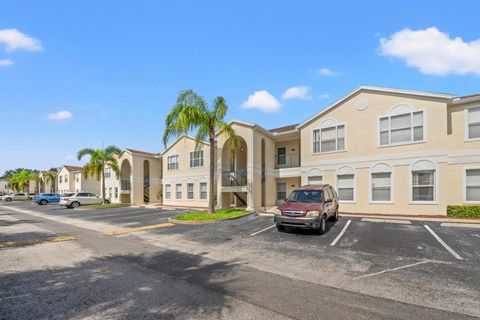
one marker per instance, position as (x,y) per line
(346,184)
(315,176)
(381,183)
(423,181)
(401,125)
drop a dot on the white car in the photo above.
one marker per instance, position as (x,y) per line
(15,197)
(75,200)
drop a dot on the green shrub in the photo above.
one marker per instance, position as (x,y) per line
(469,211)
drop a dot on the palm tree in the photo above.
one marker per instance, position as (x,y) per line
(99,159)
(33,176)
(192,112)
(50,177)
(18,181)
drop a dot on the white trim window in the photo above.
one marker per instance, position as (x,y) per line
(329,139)
(168,191)
(203,191)
(196,159)
(346,184)
(281,190)
(65,178)
(60,179)
(116,192)
(472,185)
(172,162)
(473,123)
(190,194)
(401,126)
(423,181)
(381,183)
(315,180)
(178,191)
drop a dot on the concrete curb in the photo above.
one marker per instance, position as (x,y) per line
(175,221)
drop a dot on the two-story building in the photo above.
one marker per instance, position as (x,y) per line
(385,151)
(66,178)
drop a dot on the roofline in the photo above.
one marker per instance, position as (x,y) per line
(465,99)
(377,89)
(184,135)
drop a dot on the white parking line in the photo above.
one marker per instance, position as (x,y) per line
(386,221)
(446,246)
(263,230)
(340,235)
(393,269)
(461,225)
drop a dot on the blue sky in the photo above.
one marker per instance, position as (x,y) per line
(115,67)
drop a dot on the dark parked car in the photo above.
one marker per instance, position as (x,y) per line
(308,207)
(46,198)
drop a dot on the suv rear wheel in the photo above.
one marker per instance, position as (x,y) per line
(8,199)
(43,202)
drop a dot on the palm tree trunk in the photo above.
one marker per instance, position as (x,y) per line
(211,200)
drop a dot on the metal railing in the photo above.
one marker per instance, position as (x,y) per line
(234,178)
(291,160)
(125,185)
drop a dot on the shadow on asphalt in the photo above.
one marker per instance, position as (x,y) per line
(121,286)
(310,232)
(24,236)
(16,222)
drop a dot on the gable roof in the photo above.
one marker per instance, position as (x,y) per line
(142,152)
(180,138)
(284,128)
(425,94)
(71,168)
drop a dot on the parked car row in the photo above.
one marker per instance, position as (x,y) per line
(69,200)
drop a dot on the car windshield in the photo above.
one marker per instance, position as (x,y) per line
(309,196)
(67,194)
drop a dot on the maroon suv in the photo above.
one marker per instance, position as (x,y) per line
(308,207)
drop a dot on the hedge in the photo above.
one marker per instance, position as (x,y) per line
(468,211)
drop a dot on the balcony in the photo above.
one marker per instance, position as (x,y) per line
(234,178)
(291,160)
(125,186)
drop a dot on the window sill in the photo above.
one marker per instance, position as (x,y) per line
(329,152)
(471,202)
(198,167)
(381,202)
(472,139)
(401,144)
(347,201)
(423,202)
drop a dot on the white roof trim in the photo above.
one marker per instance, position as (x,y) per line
(377,89)
(180,138)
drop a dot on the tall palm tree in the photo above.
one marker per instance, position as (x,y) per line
(191,112)
(19,181)
(99,159)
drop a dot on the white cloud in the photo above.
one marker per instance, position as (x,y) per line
(6,62)
(16,40)
(60,115)
(300,92)
(263,101)
(327,72)
(324,96)
(433,52)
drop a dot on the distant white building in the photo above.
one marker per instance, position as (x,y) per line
(4,188)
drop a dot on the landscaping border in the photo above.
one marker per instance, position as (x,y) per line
(175,221)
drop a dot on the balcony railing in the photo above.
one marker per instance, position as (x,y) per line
(125,185)
(234,178)
(291,160)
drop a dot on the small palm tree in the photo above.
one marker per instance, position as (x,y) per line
(192,112)
(99,159)
(19,181)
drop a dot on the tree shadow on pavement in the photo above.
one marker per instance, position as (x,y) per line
(166,285)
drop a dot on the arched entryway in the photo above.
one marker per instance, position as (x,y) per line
(125,182)
(146,181)
(234,175)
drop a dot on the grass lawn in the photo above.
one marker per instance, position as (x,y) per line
(201,216)
(105,206)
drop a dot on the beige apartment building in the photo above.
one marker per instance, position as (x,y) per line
(384,150)
(66,178)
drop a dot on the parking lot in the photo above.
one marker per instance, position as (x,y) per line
(431,264)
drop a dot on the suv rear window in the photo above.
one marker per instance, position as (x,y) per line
(308,196)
